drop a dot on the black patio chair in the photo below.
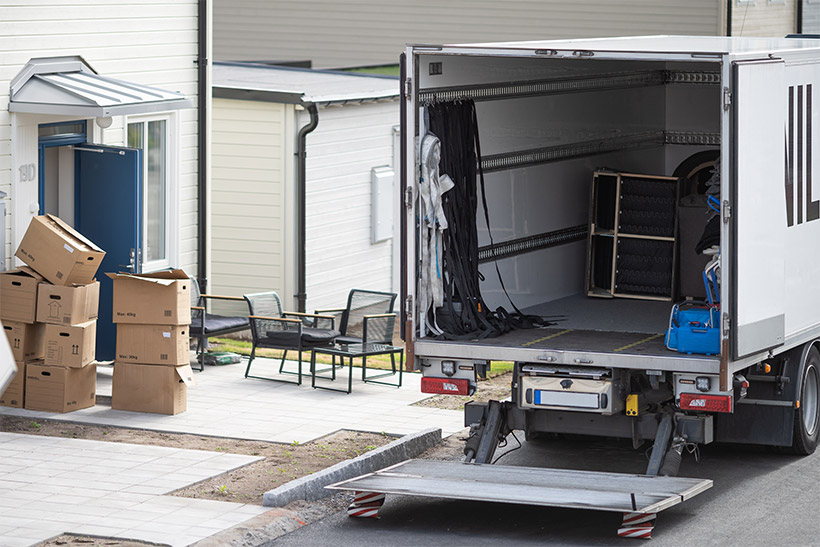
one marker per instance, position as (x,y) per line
(287,331)
(368,318)
(205,325)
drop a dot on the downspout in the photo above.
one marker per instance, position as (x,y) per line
(202,144)
(729,17)
(799,24)
(301,210)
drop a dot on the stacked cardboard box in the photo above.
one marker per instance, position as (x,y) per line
(152,370)
(49,312)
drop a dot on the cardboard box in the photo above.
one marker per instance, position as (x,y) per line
(151,388)
(60,389)
(153,344)
(18,294)
(161,298)
(71,345)
(27,341)
(68,305)
(16,390)
(58,252)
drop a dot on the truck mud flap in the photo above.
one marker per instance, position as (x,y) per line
(638,497)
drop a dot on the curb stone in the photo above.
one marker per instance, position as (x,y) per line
(257,530)
(312,487)
(280,521)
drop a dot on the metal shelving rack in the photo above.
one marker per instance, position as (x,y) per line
(609,240)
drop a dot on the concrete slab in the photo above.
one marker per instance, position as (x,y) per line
(226,404)
(75,500)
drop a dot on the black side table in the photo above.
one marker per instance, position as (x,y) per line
(351,351)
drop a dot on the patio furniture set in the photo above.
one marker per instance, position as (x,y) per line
(365,329)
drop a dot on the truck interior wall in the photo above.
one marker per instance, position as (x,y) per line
(556,195)
(541,199)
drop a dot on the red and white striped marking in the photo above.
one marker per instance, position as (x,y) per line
(365,505)
(360,498)
(363,512)
(637,525)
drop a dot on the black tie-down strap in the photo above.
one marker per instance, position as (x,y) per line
(464,314)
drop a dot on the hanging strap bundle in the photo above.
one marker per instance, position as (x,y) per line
(463,313)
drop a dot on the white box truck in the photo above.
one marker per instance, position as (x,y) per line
(571,180)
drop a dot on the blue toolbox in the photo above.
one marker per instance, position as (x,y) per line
(694,327)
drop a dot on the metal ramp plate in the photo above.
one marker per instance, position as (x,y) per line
(529,486)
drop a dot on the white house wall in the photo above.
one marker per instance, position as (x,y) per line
(340,34)
(147,42)
(811,16)
(759,18)
(347,143)
(252,157)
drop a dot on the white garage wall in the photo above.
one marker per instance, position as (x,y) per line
(347,143)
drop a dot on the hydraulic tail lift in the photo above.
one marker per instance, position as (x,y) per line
(638,497)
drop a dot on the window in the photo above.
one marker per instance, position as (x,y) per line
(151,136)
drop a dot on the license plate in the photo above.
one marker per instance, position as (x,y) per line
(566,398)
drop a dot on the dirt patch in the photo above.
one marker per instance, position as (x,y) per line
(496,388)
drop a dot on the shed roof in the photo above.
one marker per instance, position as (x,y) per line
(256,81)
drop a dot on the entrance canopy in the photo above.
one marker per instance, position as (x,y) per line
(69,86)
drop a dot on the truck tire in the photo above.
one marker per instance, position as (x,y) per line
(807,415)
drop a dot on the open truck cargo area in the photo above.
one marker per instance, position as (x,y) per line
(631,223)
(650,201)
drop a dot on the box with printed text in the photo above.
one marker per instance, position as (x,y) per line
(58,252)
(160,298)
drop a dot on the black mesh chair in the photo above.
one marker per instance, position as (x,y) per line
(205,325)
(368,318)
(287,331)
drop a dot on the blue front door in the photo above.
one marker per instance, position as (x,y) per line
(109,213)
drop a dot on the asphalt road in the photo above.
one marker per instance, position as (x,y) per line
(759,497)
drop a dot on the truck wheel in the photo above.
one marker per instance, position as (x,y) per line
(807,415)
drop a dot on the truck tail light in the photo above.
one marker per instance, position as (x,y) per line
(450,386)
(706,403)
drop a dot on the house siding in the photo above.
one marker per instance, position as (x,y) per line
(147,42)
(360,33)
(811,16)
(764,17)
(347,143)
(250,163)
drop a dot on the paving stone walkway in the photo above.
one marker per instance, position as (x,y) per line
(226,404)
(52,485)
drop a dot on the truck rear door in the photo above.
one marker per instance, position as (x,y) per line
(759,206)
